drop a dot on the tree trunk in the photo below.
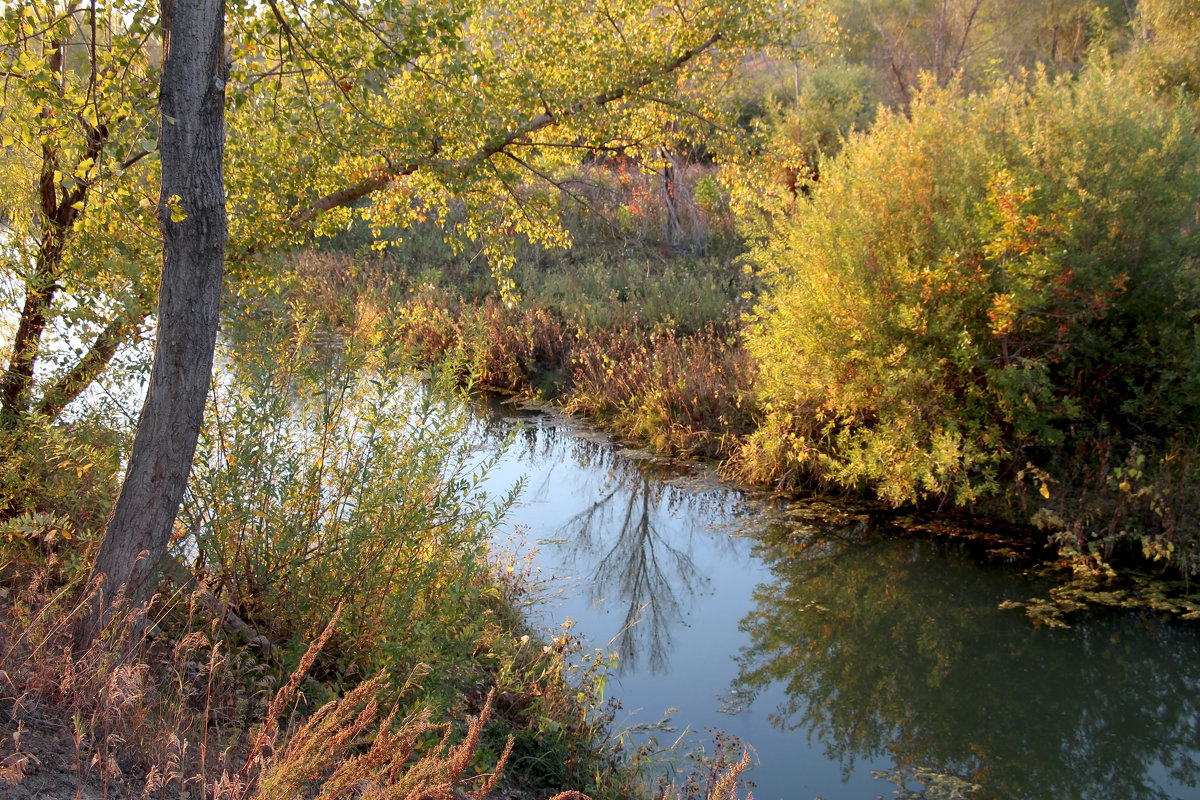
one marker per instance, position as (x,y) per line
(191,147)
(670,188)
(16,386)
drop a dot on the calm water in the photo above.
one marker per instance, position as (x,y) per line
(837,653)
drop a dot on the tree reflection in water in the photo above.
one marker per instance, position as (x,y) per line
(896,649)
(633,563)
(632,543)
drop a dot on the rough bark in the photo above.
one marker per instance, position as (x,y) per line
(191,147)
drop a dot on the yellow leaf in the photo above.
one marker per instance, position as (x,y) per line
(177,212)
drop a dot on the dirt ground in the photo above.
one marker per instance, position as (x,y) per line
(38,757)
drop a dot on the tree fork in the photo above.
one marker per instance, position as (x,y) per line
(59,217)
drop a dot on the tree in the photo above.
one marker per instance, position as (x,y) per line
(192,220)
(420,107)
(75,211)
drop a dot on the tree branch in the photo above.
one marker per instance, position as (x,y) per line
(72,384)
(501,141)
(349,194)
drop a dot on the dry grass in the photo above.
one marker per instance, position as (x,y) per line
(190,717)
(682,394)
(153,720)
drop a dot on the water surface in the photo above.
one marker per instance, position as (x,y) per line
(838,650)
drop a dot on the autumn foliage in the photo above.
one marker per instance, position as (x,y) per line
(974,289)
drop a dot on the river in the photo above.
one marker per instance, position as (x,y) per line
(841,654)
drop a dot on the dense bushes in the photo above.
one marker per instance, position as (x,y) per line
(974,288)
(322,481)
(1166,55)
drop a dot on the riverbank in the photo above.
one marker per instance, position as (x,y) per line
(841,646)
(350,621)
(607,341)
(203,715)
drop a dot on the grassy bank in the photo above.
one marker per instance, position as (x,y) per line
(649,346)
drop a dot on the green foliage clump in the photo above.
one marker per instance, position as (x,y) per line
(320,480)
(829,102)
(973,289)
(57,483)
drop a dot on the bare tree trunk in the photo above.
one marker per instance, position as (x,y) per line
(939,47)
(670,199)
(191,148)
(16,385)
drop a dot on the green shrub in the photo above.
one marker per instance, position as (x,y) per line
(57,483)
(973,288)
(322,480)
(829,102)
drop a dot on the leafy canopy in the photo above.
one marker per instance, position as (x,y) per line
(78,130)
(461,111)
(468,111)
